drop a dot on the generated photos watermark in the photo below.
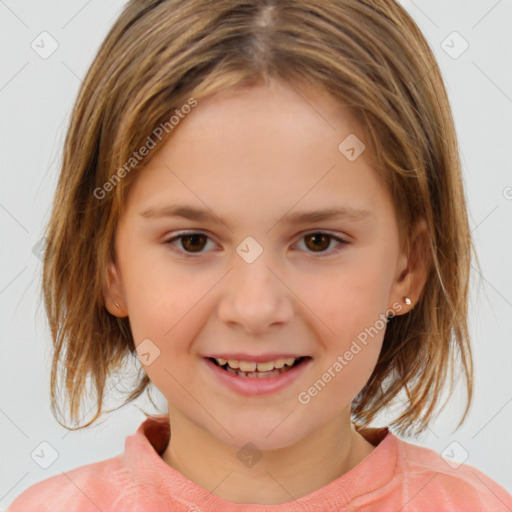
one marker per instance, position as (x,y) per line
(151,143)
(361,341)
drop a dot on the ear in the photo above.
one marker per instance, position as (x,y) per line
(412,269)
(113,291)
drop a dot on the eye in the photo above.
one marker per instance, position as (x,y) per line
(320,240)
(194,242)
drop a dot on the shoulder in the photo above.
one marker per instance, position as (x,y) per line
(433,481)
(91,487)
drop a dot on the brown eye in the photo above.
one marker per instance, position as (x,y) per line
(319,241)
(316,242)
(189,244)
(193,243)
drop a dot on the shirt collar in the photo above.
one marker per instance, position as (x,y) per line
(146,468)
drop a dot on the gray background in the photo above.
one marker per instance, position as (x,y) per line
(36,97)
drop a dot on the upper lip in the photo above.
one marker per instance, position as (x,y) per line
(256,358)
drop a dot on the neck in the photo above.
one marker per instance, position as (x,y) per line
(277,476)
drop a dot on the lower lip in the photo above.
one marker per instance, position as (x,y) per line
(255,386)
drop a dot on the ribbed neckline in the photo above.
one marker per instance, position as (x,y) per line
(146,467)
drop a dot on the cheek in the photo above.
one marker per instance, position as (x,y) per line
(342,379)
(164,320)
(158,294)
(349,298)
(351,302)
(348,361)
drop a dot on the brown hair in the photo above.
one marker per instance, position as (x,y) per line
(371,57)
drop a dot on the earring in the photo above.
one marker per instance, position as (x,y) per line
(407,301)
(116,304)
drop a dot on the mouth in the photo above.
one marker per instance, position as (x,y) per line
(253,370)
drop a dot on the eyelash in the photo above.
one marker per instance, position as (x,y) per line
(322,254)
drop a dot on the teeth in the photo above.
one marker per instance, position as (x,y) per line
(255,375)
(265,367)
(248,366)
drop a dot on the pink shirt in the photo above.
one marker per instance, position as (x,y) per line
(396,476)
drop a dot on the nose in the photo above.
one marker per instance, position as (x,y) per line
(255,298)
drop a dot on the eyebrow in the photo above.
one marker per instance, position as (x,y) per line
(198,214)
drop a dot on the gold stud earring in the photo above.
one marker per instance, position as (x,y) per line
(117,304)
(407,301)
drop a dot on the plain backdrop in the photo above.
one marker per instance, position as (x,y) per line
(473,44)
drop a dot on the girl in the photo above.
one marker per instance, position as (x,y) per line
(263,202)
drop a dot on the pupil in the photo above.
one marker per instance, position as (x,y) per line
(187,239)
(317,236)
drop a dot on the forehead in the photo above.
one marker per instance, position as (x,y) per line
(259,148)
(266,109)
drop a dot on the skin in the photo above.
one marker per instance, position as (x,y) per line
(252,158)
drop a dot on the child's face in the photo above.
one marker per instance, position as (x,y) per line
(255,159)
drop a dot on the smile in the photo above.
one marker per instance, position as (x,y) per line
(260,378)
(251,369)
